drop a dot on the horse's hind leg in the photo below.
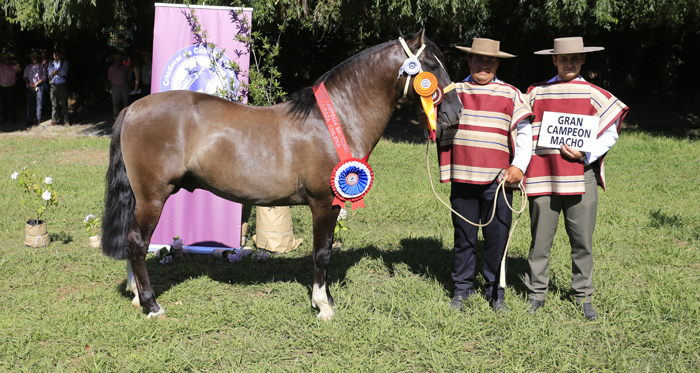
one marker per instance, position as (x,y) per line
(146,217)
(324,218)
(131,284)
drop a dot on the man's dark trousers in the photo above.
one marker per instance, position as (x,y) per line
(7,97)
(34,103)
(475,202)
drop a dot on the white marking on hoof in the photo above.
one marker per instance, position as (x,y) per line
(161,312)
(135,302)
(320,300)
(325,317)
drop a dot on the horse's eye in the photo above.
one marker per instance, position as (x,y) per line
(432,66)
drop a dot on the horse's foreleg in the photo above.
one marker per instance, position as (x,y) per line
(324,218)
(145,219)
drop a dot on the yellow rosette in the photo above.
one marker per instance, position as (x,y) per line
(425,85)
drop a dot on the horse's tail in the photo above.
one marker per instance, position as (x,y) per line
(119,199)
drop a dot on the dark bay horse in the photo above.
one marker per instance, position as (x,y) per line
(266,156)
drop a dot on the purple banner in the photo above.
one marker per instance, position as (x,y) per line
(199,218)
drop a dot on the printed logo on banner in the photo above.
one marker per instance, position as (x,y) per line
(191,69)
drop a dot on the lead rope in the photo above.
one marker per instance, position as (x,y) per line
(501,186)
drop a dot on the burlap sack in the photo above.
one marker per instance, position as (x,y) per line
(36,235)
(273,227)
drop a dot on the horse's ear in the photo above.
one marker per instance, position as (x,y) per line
(417,41)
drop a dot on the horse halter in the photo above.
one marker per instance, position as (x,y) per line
(425,85)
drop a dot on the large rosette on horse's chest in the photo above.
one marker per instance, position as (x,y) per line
(351,179)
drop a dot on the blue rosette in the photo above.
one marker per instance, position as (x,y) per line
(351,179)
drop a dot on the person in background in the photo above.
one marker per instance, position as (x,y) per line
(35,77)
(57,73)
(146,74)
(9,70)
(564,180)
(118,75)
(46,99)
(135,64)
(493,136)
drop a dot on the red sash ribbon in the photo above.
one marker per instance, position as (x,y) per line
(341,145)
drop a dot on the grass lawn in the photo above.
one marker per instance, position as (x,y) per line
(64,307)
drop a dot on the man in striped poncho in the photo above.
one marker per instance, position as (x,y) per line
(564,179)
(493,135)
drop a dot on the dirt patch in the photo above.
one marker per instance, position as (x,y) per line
(86,157)
(93,121)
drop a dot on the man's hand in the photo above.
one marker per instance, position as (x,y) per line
(513,175)
(570,153)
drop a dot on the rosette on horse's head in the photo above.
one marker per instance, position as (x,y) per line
(425,85)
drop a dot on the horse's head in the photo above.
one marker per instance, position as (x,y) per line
(449,110)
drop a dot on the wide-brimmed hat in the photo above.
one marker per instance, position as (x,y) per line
(35,52)
(485,47)
(569,46)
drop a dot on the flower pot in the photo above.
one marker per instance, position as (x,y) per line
(36,234)
(95,241)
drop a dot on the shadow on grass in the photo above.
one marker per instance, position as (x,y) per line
(423,256)
(661,219)
(62,237)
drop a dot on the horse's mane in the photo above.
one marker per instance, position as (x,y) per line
(302,102)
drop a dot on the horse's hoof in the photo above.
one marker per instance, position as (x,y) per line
(135,302)
(160,314)
(324,316)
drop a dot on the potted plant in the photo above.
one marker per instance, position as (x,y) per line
(38,196)
(92,225)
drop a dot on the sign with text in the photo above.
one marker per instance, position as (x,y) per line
(577,131)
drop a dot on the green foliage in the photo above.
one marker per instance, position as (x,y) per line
(92,224)
(263,85)
(53,16)
(263,88)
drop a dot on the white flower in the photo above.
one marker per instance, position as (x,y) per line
(237,256)
(178,243)
(166,260)
(48,180)
(14,175)
(88,218)
(46,196)
(343,214)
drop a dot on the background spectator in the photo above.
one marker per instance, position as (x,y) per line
(118,75)
(57,71)
(8,76)
(35,77)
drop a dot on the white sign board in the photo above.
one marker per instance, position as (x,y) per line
(577,131)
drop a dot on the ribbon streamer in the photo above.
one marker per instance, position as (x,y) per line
(425,85)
